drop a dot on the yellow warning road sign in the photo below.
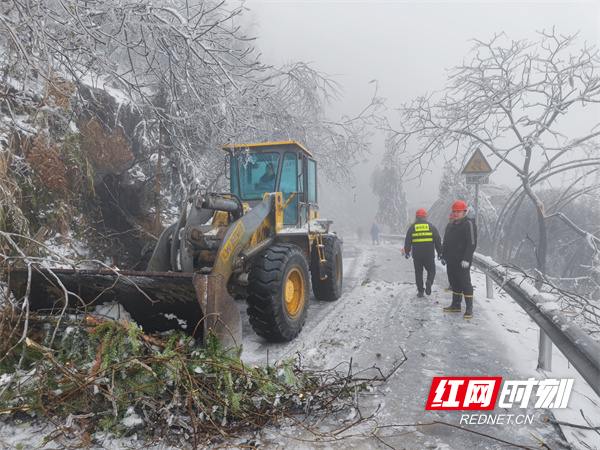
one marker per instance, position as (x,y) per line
(477,164)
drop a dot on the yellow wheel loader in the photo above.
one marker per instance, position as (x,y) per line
(259,242)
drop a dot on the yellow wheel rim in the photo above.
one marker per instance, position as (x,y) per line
(294,293)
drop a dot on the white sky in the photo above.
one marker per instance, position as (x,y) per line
(406,45)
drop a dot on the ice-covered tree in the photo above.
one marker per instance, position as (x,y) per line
(386,182)
(174,77)
(517,101)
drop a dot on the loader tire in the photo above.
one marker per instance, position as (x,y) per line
(329,289)
(278,293)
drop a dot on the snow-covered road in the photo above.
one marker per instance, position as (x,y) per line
(379,317)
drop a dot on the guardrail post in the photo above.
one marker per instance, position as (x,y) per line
(489,286)
(545,355)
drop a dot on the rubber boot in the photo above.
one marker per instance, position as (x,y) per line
(456,303)
(469,309)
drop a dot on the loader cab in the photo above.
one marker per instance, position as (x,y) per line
(286,167)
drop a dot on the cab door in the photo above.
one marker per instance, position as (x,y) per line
(289,185)
(311,188)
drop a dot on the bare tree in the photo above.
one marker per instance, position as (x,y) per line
(295,108)
(517,102)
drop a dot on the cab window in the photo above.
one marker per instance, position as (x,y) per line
(257,174)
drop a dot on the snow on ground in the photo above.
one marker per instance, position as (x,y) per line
(523,338)
(376,322)
(379,317)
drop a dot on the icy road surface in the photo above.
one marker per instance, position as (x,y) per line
(378,318)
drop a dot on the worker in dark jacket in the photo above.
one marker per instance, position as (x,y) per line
(460,241)
(422,238)
(449,288)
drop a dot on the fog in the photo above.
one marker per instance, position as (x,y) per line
(408,48)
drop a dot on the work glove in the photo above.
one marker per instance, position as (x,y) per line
(443,262)
(407,255)
(464,264)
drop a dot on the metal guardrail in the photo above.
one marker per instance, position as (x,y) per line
(578,347)
(392,237)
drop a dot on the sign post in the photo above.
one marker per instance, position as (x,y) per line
(477,172)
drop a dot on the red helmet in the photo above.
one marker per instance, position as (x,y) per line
(459,206)
(421,212)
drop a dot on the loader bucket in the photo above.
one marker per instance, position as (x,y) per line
(157,301)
